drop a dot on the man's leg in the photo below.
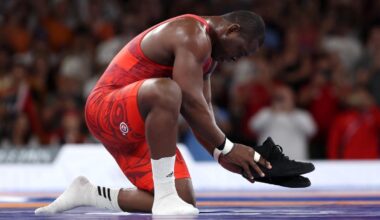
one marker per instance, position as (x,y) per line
(159,102)
(135,200)
(128,200)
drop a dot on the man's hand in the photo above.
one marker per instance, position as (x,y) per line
(241,157)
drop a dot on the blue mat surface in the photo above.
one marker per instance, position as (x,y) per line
(223,205)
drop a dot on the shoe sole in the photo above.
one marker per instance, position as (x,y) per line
(277,173)
(289,181)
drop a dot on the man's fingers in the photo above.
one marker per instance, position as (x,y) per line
(247,171)
(265,163)
(269,166)
(246,176)
(257,168)
(259,159)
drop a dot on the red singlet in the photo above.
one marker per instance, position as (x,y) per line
(112,113)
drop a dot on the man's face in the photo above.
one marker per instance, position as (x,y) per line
(234,46)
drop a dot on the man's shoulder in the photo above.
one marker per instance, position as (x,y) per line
(190,32)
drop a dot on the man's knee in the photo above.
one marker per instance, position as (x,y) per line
(163,93)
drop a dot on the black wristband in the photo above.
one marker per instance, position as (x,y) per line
(221,147)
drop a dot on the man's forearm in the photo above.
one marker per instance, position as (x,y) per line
(202,141)
(201,120)
(209,147)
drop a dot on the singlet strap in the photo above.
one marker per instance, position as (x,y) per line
(198,18)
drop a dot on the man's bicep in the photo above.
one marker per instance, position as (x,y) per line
(187,72)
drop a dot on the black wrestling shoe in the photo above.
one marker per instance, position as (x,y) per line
(286,181)
(282,166)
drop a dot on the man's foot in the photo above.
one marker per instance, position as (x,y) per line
(77,194)
(281,164)
(173,205)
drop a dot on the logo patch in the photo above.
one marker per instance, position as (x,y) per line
(124,128)
(170,174)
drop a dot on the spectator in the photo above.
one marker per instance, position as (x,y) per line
(251,92)
(16,99)
(287,125)
(340,37)
(58,26)
(355,133)
(16,33)
(374,57)
(72,124)
(21,132)
(293,67)
(56,50)
(321,99)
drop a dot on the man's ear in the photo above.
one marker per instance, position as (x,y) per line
(233,28)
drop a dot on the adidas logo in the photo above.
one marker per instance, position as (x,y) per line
(170,174)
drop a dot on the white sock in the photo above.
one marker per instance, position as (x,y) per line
(166,199)
(163,176)
(82,193)
(106,198)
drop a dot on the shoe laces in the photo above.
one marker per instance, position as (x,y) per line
(281,152)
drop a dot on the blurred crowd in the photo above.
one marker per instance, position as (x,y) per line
(314,86)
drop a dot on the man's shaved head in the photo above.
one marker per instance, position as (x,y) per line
(251,24)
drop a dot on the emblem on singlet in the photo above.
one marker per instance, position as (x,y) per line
(124,128)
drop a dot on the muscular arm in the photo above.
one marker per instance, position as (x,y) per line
(197,111)
(207,95)
(191,49)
